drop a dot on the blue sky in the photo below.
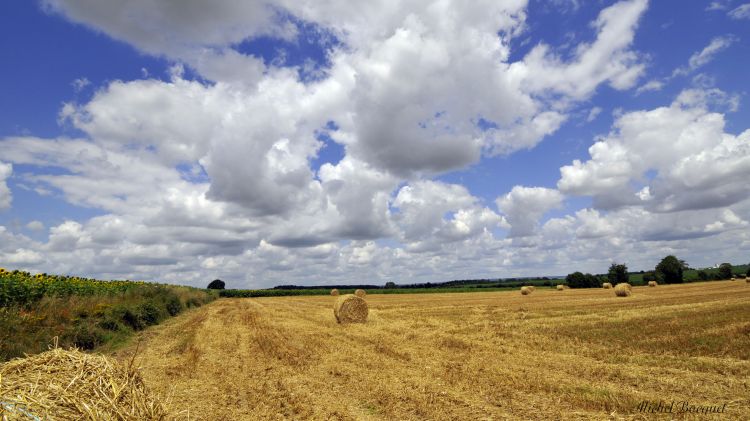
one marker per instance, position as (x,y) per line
(285,142)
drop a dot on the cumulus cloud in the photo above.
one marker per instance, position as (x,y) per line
(524,206)
(5,195)
(430,210)
(214,176)
(667,159)
(607,59)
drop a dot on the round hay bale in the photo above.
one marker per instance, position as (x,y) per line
(732,279)
(532,288)
(350,309)
(606,285)
(526,290)
(360,293)
(747,279)
(623,289)
(335,292)
(561,287)
(72,385)
(652,283)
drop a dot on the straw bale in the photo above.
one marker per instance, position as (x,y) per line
(623,290)
(72,385)
(350,309)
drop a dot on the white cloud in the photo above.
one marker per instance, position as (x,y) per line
(740,12)
(718,5)
(439,212)
(80,83)
(5,194)
(704,56)
(203,180)
(524,206)
(696,165)
(607,59)
(593,114)
(652,85)
(35,225)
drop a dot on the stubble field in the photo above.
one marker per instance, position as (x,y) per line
(573,354)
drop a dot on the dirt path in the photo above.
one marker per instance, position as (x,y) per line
(552,355)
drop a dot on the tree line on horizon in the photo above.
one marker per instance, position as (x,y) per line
(670,270)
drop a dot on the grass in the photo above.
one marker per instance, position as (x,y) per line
(585,354)
(36,310)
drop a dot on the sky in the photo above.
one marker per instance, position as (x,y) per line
(327,142)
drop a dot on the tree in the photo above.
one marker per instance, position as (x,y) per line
(592,281)
(390,285)
(216,284)
(725,271)
(576,280)
(579,280)
(669,270)
(618,273)
(702,275)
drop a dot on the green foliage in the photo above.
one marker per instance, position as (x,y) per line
(173,305)
(725,271)
(580,280)
(618,273)
(648,277)
(702,275)
(390,285)
(81,312)
(669,270)
(216,284)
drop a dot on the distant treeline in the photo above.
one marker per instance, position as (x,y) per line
(390,288)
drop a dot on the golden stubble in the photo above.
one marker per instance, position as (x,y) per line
(585,354)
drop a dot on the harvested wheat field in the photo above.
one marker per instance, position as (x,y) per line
(585,354)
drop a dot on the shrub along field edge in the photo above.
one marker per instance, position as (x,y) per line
(85,313)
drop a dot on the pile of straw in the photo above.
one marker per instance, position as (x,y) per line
(350,309)
(72,385)
(360,293)
(606,285)
(335,292)
(526,290)
(652,283)
(623,289)
(560,287)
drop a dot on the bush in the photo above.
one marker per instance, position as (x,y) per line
(174,306)
(131,317)
(149,313)
(669,270)
(702,275)
(87,336)
(648,277)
